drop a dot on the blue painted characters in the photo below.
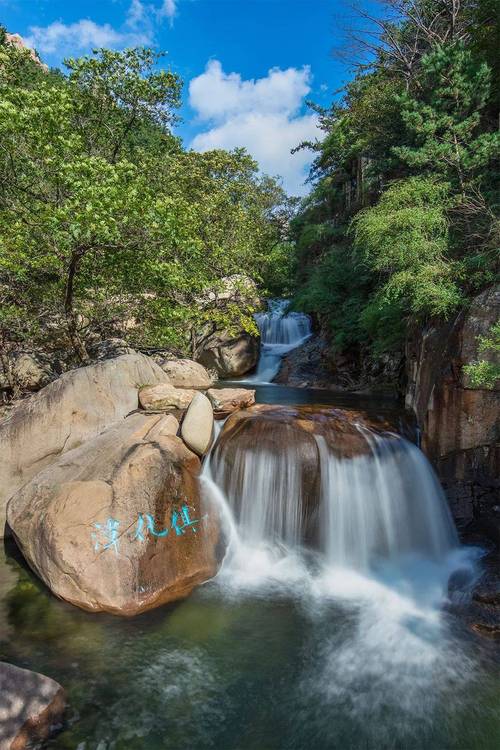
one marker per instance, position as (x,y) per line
(184,516)
(150,526)
(107,536)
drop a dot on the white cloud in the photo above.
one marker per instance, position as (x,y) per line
(85,34)
(137,29)
(262,115)
(168,10)
(136,14)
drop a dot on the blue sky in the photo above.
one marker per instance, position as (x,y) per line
(248,65)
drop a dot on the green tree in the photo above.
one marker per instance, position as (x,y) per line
(443,118)
(107,223)
(485,373)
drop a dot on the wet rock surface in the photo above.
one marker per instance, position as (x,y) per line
(481,610)
(341,428)
(225,401)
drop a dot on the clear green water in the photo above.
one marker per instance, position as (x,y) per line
(271,667)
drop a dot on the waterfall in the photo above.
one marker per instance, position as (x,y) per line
(280,332)
(382,505)
(356,512)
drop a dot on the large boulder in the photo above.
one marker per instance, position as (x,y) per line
(185,373)
(459,423)
(198,425)
(30,704)
(164,396)
(231,356)
(67,412)
(118,524)
(227,400)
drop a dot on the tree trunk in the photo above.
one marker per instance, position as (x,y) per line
(69,310)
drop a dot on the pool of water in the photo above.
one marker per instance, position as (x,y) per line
(289,659)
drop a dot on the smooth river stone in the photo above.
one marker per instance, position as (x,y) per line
(227,400)
(198,425)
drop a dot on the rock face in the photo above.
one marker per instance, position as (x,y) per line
(31,372)
(198,425)
(110,348)
(230,356)
(72,409)
(17,41)
(227,400)
(309,366)
(460,428)
(316,364)
(185,373)
(30,704)
(165,396)
(117,524)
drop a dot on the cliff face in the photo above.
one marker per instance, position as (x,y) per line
(460,425)
(17,41)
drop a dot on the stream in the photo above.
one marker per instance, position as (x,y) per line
(349,641)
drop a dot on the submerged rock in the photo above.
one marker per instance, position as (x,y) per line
(264,424)
(286,439)
(75,407)
(30,704)
(185,373)
(227,400)
(198,425)
(118,525)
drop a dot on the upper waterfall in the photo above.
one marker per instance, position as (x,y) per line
(280,332)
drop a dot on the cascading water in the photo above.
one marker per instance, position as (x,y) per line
(382,506)
(379,506)
(280,332)
(364,540)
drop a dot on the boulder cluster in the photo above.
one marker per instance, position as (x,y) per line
(99,481)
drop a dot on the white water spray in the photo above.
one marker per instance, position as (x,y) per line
(385,549)
(381,510)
